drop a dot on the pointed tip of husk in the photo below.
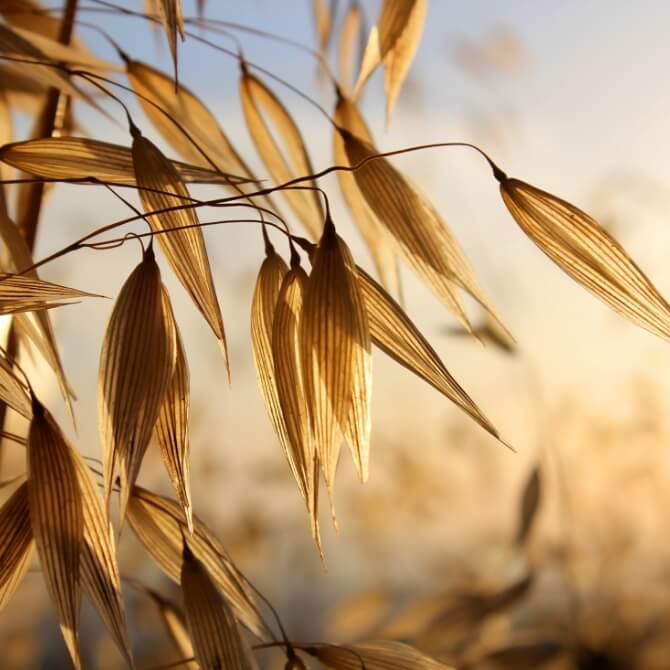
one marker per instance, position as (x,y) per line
(223,346)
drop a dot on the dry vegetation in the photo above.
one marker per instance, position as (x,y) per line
(316,316)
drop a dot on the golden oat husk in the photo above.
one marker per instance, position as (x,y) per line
(172,426)
(217,642)
(335,356)
(99,569)
(81,158)
(377,238)
(185,250)
(16,543)
(374,655)
(160,526)
(57,520)
(283,165)
(286,355)
(394,333)
(587,253)
(137,364)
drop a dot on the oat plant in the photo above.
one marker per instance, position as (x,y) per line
(316,313)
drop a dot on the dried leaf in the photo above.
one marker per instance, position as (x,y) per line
(376,236)
(395,334)
(57,520)
(173,422)
(16,543)
(173,22)
(99,569)
(530,503)
(82,158)
(160,526)
(283,167)
(216,640)
(375,655)
(21,293)
(290,389)
(422,236)
(335,352)
(137,363)
(586,252)
(184,249)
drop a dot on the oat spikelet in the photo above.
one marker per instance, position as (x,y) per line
(173,619)
(350,32)
(12,391)
(57,520)
(84,158)
(377,238)
(335,346)
(394,333)
(184,249)
(21,293)
(530,505)
(286,356)
(173,23)
(16,543)
(217,642)
(375,655)
(173,422)
(159,525)
(587,253)
(256,97)
(137,364)
(99,569)
(393,41)
(420,233)
(36,327)
(192,115)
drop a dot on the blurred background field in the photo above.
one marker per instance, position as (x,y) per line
(570,96)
